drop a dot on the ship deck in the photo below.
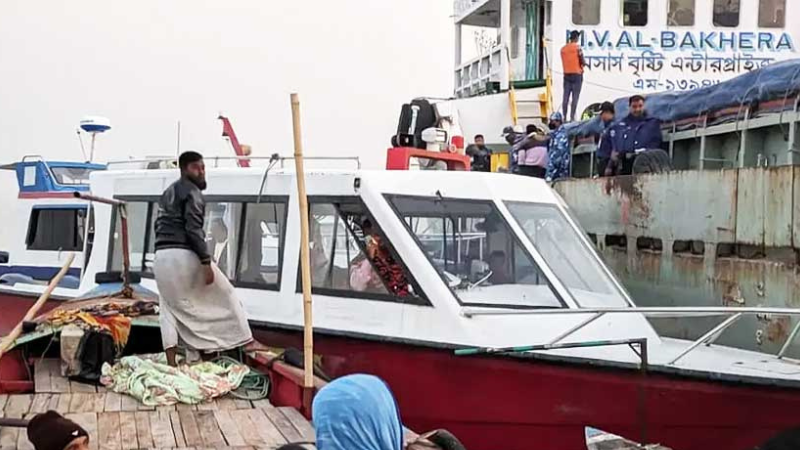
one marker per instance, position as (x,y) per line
(117,422)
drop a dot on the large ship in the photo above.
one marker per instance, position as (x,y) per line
(723,228)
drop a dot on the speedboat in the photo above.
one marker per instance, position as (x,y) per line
(476,296)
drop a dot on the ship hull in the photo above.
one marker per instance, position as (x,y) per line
(518,403)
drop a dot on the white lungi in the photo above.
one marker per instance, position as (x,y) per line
(192,314)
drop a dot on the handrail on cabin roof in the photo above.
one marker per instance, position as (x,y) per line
(217,159)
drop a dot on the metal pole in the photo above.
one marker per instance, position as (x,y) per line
(714,331)
(308,336)
(789,340)
(505,44)
(91,149)
(576,327)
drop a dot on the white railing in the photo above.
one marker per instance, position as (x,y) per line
(462,7)
(471,77)
(698,311)
(214,161)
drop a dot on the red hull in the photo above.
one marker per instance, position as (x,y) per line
(15,306)
(515,403)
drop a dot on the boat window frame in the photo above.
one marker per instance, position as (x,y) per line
(516,239)
(420,299)
(34,219)
(242,200)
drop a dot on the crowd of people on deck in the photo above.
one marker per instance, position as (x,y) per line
(547,154)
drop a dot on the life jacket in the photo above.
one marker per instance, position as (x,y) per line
(570,59)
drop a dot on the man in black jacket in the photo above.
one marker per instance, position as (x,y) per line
(199,310)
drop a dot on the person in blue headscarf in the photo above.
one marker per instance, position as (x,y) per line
(357,412)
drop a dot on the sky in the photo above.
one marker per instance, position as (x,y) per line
(147,64)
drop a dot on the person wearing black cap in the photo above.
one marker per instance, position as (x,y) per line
(51,431)
(604,144)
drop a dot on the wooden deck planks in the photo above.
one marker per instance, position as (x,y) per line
(113,402)
(299,422)
(177,429)
(120,422)
(109,431)
(247,429)
(229,429)
(209,431)
(143,434)
(161,427)
(127,429)
(283,425)
(266,430)
(191,432)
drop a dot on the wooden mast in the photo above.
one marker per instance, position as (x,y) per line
(308,336)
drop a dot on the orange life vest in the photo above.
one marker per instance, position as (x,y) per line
(570,58)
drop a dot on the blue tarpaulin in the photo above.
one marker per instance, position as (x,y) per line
(776,81)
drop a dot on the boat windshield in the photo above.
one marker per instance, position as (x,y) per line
(570,258)
(72,175)
(475,252)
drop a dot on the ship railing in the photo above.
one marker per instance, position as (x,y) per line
(214,161)
(734,315)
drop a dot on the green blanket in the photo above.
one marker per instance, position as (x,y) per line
(150,380)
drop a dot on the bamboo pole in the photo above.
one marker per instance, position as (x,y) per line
(7,341)
(308,335)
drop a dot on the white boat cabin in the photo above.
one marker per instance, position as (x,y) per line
(474,260)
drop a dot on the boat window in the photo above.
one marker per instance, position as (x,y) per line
(222,223)
(56,228)
(772,13)
(634,13)
(726,13)
(71,175)
(137,221)
(350,253)
(475,252)
(586,12)
(570,258)
(680,13)
(262,245)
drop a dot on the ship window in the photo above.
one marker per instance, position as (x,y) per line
(726,13)
(680,13)
(56,228)
(572,260)
(771,13)
(262,244)
(586,12)
(475,252)
(222,223)
(137,221)
(350,254)
(634,13)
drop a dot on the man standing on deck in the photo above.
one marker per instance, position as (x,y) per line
(572,63)
(604,169)
(199,310)
(632,135)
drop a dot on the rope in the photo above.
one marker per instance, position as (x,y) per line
(254,386)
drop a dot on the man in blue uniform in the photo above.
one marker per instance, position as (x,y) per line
(604,144)
(635,133)
(558,150)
